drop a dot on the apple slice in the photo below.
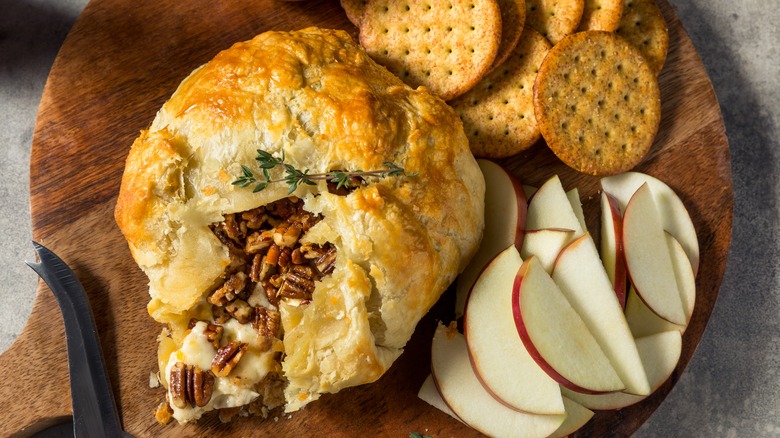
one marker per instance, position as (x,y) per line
(429,393)
(556,336)
(648,259)
(550,208)
(576,206)
(576,417)
(497,353)
(464,394)
(674,215)
(545,244)
(642,320)
(660,353)
(581,277)
(683,274)
(505,213)
(612,245)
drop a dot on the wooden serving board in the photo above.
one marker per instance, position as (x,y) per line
(118,65)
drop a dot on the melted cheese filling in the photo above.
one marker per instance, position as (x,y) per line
(235,390)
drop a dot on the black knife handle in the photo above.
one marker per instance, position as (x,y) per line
(94,409)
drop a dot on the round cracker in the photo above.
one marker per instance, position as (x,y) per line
(445,46)
(554,19)
(597,103)
(644,26)
(498,113)
(354,10)
(512,22)
(601,15)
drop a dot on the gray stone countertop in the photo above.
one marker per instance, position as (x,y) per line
(731,387)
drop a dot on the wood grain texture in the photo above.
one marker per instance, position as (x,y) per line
(122,60)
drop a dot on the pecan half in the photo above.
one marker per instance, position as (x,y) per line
(233,228)
(189,385)
(287,233)
(264,266)
(177,385)
(267,322)
(227,358)
(202,386)
(326,262)
(304,271)
(285,258)
(272,256)
(271,290)
(230,289)
(256,268)
(298,283)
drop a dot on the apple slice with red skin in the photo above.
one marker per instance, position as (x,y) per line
(648,259)
(466,397)
(556,336)
(576,414)
(612,255)
(429,393)
(576,417)
(642,320)
(675,217)
(660,353)
(505,215)
(497,354)
(581,277)
(545,244)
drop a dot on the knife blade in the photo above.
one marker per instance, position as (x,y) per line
(94,408)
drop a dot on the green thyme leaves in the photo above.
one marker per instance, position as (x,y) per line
(294,177)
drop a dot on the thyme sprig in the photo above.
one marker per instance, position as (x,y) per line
(295,177)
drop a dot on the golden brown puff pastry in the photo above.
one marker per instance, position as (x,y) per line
(315,96)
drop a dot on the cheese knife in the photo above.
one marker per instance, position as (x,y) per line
(94,408)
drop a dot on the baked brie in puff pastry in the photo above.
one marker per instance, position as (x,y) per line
(273,297)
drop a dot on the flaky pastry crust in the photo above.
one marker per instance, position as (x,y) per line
(316,96)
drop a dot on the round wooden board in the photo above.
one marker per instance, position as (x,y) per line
(122,60)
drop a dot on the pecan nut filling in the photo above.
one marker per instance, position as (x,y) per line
(269,264)
(266,250)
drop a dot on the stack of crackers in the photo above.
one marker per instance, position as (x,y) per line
(579,73)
